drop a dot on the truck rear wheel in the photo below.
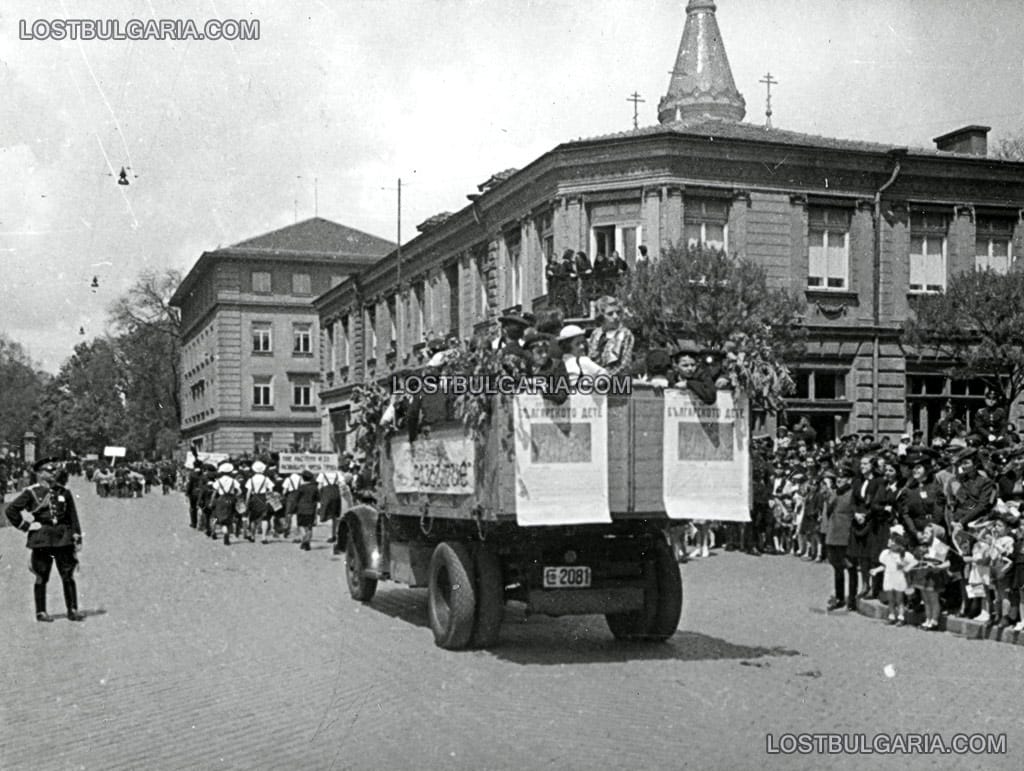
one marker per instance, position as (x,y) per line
(663,601)
(360,587)
(451,601)
(490,597)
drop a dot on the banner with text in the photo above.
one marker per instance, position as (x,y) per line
(295,462)
(561,460)
(706,468)
(445,463)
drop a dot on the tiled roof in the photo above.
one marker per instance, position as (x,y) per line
(713,128)
(318,235)
(432,222)
(496,179)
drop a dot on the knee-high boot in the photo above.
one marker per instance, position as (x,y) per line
(70,595)
(39,590)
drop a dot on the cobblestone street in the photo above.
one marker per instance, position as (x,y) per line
(197,655)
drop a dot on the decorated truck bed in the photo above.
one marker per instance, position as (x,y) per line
(562,507)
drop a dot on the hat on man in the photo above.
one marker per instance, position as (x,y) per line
(968,453)
(307,475)
(570,332)
(533,336)
(259,467)
(517,319)
(225,468)
(46,464)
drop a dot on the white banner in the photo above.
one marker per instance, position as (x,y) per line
(444,463)
(293,462)
(561,460)
(114,452)
(706,468)
(216,458)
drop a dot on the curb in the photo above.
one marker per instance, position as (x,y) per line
(964,627)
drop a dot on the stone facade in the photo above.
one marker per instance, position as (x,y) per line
(250,335)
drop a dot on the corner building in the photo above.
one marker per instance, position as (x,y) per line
(250,358)
(860,229)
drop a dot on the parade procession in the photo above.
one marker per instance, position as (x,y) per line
(691,436)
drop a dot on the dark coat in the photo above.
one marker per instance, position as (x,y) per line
(839,513)
(306,498)
(53,508)
(864,536)
(921,505)
(973,499)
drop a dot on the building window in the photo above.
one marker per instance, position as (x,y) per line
(451,274)
(514,283)
(262,392)
(261,443)
(339,428)
(301,284)
(622,240)
(480,262)
(302,393)
(370,334)
(928,252)
(820,384)
(261,282)
(828,248)
(303,441)
(302,340)
(420,312)
(993,245)
(929,394)
(261,337)
(346,342)
(706,222)
(393,321)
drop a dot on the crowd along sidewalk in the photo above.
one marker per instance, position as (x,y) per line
(964,627)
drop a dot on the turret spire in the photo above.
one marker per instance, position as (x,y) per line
(701,84)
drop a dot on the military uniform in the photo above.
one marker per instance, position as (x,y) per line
(54,540)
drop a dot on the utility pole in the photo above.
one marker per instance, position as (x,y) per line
(399,251)
(768,81)
(635,99)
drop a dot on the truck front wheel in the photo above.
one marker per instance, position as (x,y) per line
(451,601)
(360,587)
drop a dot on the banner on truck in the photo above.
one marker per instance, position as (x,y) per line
(444,464)
(706,464)
(294,462)
(561,460)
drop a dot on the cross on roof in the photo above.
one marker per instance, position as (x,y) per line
(768,81)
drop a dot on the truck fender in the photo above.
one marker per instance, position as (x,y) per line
(360,522)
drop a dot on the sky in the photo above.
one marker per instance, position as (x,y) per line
(340,98)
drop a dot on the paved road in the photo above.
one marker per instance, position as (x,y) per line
(195,655)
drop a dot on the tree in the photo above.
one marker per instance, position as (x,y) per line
(978,325)
(148,350)
(21,384)
(1010,148)
(83,408)
(722,303)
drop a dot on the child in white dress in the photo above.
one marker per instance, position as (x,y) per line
(895,562)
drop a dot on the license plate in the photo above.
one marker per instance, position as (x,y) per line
(566,577)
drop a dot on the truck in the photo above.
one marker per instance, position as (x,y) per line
(565,508)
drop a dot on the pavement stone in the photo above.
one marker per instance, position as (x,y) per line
(199,656)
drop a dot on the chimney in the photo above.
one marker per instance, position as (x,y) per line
(969,140)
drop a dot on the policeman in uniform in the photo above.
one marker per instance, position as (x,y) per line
(46,511)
